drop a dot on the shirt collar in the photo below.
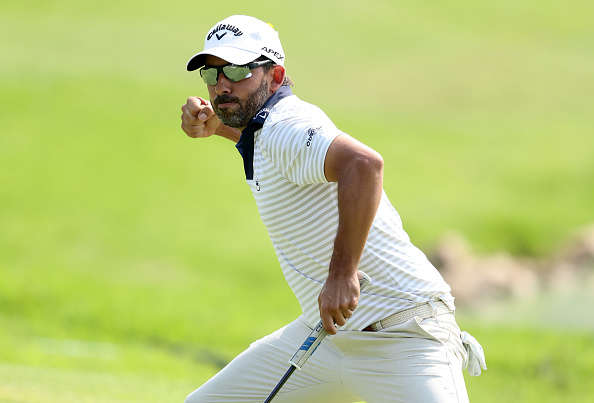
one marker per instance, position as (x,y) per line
(245,145)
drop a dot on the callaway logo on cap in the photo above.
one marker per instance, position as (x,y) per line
(240,39)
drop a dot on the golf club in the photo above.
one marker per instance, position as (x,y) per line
(310,345)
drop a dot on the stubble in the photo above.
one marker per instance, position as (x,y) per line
(247,109)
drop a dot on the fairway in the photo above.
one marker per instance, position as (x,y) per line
(133,262)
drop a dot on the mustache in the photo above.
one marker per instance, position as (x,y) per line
(225,98)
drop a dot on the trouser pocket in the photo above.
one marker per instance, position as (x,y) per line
(444,329)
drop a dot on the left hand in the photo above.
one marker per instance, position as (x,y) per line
(338,299)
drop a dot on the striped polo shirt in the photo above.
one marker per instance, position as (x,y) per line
(284,152)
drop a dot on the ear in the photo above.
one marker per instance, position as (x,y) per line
(278,76)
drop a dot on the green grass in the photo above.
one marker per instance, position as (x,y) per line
(484,122)
(132,259)
(525,365)
(533,365)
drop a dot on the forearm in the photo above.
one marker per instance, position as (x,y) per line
(228,133)
(359,193)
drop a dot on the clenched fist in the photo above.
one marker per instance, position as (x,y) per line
(198,118)
(338,299)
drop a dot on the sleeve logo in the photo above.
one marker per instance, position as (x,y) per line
(310,133)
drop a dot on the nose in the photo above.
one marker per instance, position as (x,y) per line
(223,85)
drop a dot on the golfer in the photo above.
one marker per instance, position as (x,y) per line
(319,193)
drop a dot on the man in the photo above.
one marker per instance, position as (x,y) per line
(319,193)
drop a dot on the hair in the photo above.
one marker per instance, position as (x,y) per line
(267,67)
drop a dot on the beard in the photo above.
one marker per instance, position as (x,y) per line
(247,109)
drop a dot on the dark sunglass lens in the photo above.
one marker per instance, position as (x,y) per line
(209,76)
(236,73)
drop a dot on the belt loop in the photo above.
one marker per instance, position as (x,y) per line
(379,325)
(433,304)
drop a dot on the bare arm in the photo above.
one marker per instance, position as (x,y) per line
(230,133)
(199,120)
(359,173)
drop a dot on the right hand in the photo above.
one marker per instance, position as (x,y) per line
(198,118)
(338,299)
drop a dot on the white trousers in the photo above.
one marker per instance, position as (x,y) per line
(416,361)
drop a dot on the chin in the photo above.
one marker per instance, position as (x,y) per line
(231,120)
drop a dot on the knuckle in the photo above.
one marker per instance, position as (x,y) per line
(192,105)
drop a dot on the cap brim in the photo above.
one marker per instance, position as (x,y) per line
(231,55)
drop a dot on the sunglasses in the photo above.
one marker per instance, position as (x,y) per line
(234,72)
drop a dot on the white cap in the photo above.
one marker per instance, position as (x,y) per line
(240,39)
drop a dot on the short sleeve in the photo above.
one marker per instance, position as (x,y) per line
(298,148)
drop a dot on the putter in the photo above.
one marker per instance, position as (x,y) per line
(310,345)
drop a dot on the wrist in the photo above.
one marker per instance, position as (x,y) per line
(228,132)
(341,270)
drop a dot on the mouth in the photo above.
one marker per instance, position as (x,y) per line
(227,105)
(226,101)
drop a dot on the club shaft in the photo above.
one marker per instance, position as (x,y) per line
(310,345)
(280,384)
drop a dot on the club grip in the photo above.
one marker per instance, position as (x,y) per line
(318,333)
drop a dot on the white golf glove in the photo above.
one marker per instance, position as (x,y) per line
(476,355)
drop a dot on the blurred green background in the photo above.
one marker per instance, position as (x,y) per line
(133,263)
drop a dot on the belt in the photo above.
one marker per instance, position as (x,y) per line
(424,311)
